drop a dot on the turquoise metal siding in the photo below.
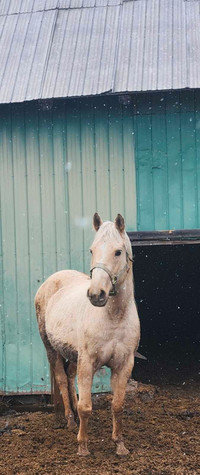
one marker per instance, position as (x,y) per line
(63,160)
(168,161)
(58,166)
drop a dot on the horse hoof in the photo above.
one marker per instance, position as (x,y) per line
(121,449)
(71,424)
(83,450)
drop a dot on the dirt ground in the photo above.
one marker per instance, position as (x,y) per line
(161,430)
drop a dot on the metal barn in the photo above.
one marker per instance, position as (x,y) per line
(100,110)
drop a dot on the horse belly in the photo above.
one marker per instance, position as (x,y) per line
(61,327)
(66,350)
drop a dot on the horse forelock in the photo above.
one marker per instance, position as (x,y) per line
(107,232)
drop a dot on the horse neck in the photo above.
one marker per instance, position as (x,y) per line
(125,295)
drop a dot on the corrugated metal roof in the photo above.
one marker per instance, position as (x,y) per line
(69,48)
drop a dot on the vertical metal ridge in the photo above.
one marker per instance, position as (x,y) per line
(80,53)
(181,171)
(95,47)
(67,55)
(145,36)
(60,173)
(2,307)
(37,70)
(109,176)
(54,192)
(95,158)
(165,46)
(13,61)
(74,54)
(33,58)
(52,33)
(22,246)
(197,136)
(29,264)
(2,5)
(152,176)
(123,160)
(179,76)
(101,53)
(53,64)
(115,47)
(124,47)
(21,55)
(6,49)
(40,186)
(150,62)
(47,198)
(15,249)
(137,47)
(8,243)
(82,197)
(13,8)
(36,242)
(196,162)
(88,50)
(66,181)
(167,166)
(88,175)
(138,188)
(193,42)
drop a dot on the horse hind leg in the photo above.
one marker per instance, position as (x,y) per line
(62,382)
(71,370)
(57,366)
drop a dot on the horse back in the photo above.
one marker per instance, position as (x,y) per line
(57,281)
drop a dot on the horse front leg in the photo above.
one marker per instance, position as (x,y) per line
(85,376)
(119,380)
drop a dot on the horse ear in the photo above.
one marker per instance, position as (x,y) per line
(97,221)
(119,223)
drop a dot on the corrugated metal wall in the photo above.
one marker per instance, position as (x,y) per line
(58,166)
(60,162)
(168,161)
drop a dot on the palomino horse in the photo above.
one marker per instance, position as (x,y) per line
(92,322)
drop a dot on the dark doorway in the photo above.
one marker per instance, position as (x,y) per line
(167,291)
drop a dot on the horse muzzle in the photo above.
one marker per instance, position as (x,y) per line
(98,300)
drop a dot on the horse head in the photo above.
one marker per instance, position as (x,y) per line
(111,253)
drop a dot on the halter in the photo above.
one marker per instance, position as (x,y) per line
(113,277)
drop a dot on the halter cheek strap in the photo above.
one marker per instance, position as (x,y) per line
(113,277)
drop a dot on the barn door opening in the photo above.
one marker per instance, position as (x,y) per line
(167,279)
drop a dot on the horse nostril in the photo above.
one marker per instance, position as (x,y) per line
(98,299)
(102,295)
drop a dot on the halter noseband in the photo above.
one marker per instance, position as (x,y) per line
(113,277)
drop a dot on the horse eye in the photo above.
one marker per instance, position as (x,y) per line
(118,253)
(90,251)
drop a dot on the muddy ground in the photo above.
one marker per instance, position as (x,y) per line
(161,429)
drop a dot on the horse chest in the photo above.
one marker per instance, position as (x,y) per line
(110,346)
